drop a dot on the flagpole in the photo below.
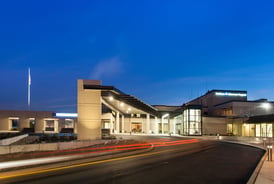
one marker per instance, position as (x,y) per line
(29,89)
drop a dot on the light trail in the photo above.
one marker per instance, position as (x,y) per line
(6,176)
(115,148)
(50,159)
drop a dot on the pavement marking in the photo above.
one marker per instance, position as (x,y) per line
(81,165)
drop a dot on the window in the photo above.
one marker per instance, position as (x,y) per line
(14,122)
(263,130)
(266,130)
(192,122)
(258,130)
(69,123)
(106,124)
(32,123)
(49,125)
(229,129)
(136,127)
(178,122)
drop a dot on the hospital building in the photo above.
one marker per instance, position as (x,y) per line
(105,110)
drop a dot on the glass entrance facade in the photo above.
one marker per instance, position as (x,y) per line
(136,127)
(192,124)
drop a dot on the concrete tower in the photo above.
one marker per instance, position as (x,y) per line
(89,110)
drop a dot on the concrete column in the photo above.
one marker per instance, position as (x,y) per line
(162,125)
(143,126)
(174,126)
(156,126)
(148,124)
(56,127)
(171,125)
(117,122)
(168,125)
(111,124)
(130,126)
(123,124)
(89,111)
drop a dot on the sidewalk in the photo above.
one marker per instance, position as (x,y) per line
(266,174)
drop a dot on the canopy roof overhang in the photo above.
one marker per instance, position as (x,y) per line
(128,104)
(261,119)
(122,102)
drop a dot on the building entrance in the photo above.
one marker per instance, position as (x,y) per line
(136,127)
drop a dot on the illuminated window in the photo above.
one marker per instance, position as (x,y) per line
(69,123)
(136,127)
(258,130)
(49,125)
(106,124)
(266,130)
(192,122)
(229,129)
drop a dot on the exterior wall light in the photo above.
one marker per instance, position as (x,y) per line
(111,98)
(166,115)
(266,106)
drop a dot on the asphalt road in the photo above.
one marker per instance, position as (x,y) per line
(198,162)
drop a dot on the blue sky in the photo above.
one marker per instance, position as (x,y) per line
(163,52)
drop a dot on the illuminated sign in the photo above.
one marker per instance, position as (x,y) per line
(67,115)
(230,94)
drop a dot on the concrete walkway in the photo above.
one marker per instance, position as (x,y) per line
(266,174)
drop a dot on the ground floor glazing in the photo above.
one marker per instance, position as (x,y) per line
(189,122)
(251,129)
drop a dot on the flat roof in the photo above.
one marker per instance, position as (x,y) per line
(218,90)
(240,101)
(221,90)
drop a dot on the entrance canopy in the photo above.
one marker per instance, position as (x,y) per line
(124,103)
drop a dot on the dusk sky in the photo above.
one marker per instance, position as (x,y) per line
(162,52)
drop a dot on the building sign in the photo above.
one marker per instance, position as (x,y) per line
(66,115)
(230,94)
